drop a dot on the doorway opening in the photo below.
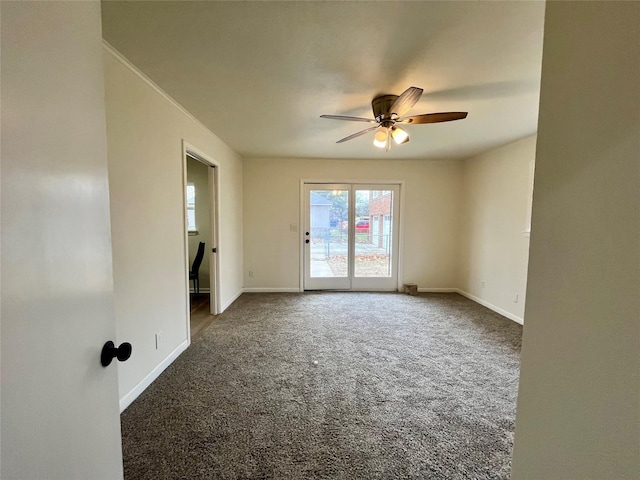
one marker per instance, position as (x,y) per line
(201,232)
(351,236)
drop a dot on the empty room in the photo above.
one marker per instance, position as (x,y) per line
(300,240)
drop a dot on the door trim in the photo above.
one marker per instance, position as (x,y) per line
(214,201)
(301,220)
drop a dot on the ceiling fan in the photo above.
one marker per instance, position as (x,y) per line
(389,111)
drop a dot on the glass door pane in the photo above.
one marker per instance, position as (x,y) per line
(327,237)
(373,233)
(329,233)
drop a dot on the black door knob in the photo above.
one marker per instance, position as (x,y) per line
(109,352)
(307,233)
(306,241)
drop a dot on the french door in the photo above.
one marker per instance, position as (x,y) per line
(351,236)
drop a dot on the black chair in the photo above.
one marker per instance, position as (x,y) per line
(195,268)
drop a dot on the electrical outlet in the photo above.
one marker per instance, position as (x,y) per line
(515,299)
(251,273)
(482,284)
(293,227)
(158,340)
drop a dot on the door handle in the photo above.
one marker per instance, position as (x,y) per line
(306,241)
(109,352)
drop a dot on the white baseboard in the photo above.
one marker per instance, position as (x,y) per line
(438,290)
(271,290)
(155,373)
(482,302)
(490,306)
(230,301)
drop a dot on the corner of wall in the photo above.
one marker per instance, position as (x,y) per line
(496,189)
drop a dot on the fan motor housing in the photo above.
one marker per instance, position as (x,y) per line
(381,106)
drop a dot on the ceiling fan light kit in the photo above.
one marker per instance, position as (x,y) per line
(399,135)
(384,134)
(389,110)
(381,138)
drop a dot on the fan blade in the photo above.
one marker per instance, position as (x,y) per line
(361,132)
(434,117)
(406,101)
(352,119)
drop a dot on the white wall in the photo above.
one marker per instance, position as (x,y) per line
(579,403)
(198,174)
(272,202)
(494,238)
(145,131)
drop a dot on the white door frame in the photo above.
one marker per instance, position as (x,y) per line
(398,236)
(214,202)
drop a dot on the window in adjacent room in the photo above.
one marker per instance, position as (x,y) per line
(191,208)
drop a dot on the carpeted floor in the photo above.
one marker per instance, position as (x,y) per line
(334,386)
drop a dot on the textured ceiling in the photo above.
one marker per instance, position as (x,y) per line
(259,74)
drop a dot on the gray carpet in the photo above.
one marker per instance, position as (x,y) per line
(404,387)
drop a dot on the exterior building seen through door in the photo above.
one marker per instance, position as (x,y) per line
(350,236)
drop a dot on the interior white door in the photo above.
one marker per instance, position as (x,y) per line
(60,413)
(351,236)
